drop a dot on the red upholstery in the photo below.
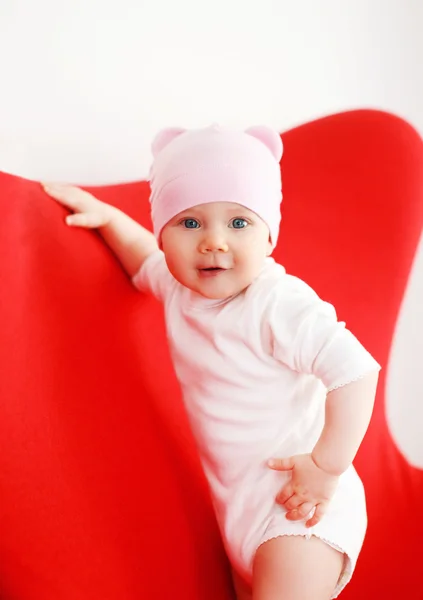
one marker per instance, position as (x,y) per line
(102,496)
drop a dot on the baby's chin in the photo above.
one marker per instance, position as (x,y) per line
(216,296)
(219,294)
(212,288)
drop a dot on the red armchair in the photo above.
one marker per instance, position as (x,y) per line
(102,495)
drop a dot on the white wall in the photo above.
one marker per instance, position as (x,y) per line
(85,84)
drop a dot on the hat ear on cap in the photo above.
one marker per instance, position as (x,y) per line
(269,138)
(164,137)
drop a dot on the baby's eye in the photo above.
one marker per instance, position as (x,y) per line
(239,223)
(190,223)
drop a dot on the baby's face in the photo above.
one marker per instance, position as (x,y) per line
(216,249)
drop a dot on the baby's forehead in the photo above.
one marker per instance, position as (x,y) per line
(216,209)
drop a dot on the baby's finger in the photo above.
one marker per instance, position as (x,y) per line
(318,514)
(300,512)
(88,220)
(68,195)
(285,494)
(293,502)
(281,464)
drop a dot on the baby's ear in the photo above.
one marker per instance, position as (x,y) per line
(270,138)
(164,137)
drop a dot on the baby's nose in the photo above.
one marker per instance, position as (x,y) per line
(213,242)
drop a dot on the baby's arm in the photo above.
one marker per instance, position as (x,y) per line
(315,476)
(347,415)
(129,241)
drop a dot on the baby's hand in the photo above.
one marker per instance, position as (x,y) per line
(90,212)
(309,488)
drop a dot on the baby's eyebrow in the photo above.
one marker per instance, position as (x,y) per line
(238,208)
(187,213)
(241,214)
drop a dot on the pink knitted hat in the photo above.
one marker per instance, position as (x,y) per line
(216,164)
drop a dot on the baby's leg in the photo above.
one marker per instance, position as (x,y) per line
(296,568)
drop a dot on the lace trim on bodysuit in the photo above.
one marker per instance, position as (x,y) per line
(341,385)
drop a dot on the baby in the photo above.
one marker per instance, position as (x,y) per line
(278,392)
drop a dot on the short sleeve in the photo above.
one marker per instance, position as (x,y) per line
(154,276)
(307,336)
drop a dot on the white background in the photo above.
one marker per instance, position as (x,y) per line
(85,84)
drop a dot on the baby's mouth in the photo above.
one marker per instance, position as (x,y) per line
(211,271)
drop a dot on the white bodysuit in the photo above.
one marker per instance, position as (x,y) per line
(254,371)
